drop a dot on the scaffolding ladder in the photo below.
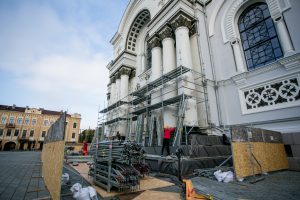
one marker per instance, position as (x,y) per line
(180,119)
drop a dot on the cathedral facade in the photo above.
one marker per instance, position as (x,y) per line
(205,64)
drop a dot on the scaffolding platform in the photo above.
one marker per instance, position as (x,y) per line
(115,120)
(113,106)
(140,100)
(160,81)
(161,104)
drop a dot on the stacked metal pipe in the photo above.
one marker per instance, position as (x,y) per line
(111,170)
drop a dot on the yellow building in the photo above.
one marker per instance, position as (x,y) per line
(24,128)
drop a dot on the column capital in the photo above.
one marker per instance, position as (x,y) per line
(112,79)
(133,74)
(193,29)
(181,20)
(166,32)
(118,75)
(154,42)
(125,71)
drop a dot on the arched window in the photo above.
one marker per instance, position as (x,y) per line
(258,36)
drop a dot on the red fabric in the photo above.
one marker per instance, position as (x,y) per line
(167,132)
(84,149)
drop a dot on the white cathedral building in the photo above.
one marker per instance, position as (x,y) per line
(204,65)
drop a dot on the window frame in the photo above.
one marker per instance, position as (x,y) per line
(10,131)
(16,130)
(259,44)
(11,119)
(20,120)
(43,134)
(24,132)
(33,121)
(31,131)
(4,119)
(27,121)
(46,122)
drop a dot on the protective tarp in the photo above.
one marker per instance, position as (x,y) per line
(206,140)
(187,165)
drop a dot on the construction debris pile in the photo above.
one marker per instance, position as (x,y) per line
(118,164)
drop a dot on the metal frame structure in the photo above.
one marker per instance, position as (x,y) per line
(139,107)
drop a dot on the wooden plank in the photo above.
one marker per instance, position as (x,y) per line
(52,157)
(271,157)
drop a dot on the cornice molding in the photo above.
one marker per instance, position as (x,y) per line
(291,63)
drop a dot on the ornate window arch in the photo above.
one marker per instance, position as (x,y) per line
(258,36)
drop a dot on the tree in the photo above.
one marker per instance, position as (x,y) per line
(87,135)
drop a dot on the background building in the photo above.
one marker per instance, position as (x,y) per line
(24,128)
(206,65)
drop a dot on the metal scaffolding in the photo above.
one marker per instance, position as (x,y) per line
(140,110)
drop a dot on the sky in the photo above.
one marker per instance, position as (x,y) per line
(53,54)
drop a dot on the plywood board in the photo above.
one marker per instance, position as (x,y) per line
(52,158)
(146,183)
(271,157)
(151,195)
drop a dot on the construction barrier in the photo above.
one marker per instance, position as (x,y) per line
(257,151)
(53,157)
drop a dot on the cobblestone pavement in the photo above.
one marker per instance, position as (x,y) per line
(21,176)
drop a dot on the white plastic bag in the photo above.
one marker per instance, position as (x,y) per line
(93,193)
(218,175)
(65,178)
(80,193)
(226,177)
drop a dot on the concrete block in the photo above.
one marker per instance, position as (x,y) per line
(296,138)
(296,150)
(294,164)
(287,138)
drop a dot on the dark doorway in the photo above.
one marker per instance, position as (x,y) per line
(29,145)
(9,146)
(41,145)
(22,146)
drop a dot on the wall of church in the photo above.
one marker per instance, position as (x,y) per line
(233,85)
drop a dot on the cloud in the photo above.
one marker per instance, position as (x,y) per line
(57,54)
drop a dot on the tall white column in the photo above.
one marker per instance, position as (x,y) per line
(117,89)
(169,63)
(108,94)
(201,106)
(139,65)
(156,68)
(124,86)
(237,51)
(113,90)
(184,58)
(284,37)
